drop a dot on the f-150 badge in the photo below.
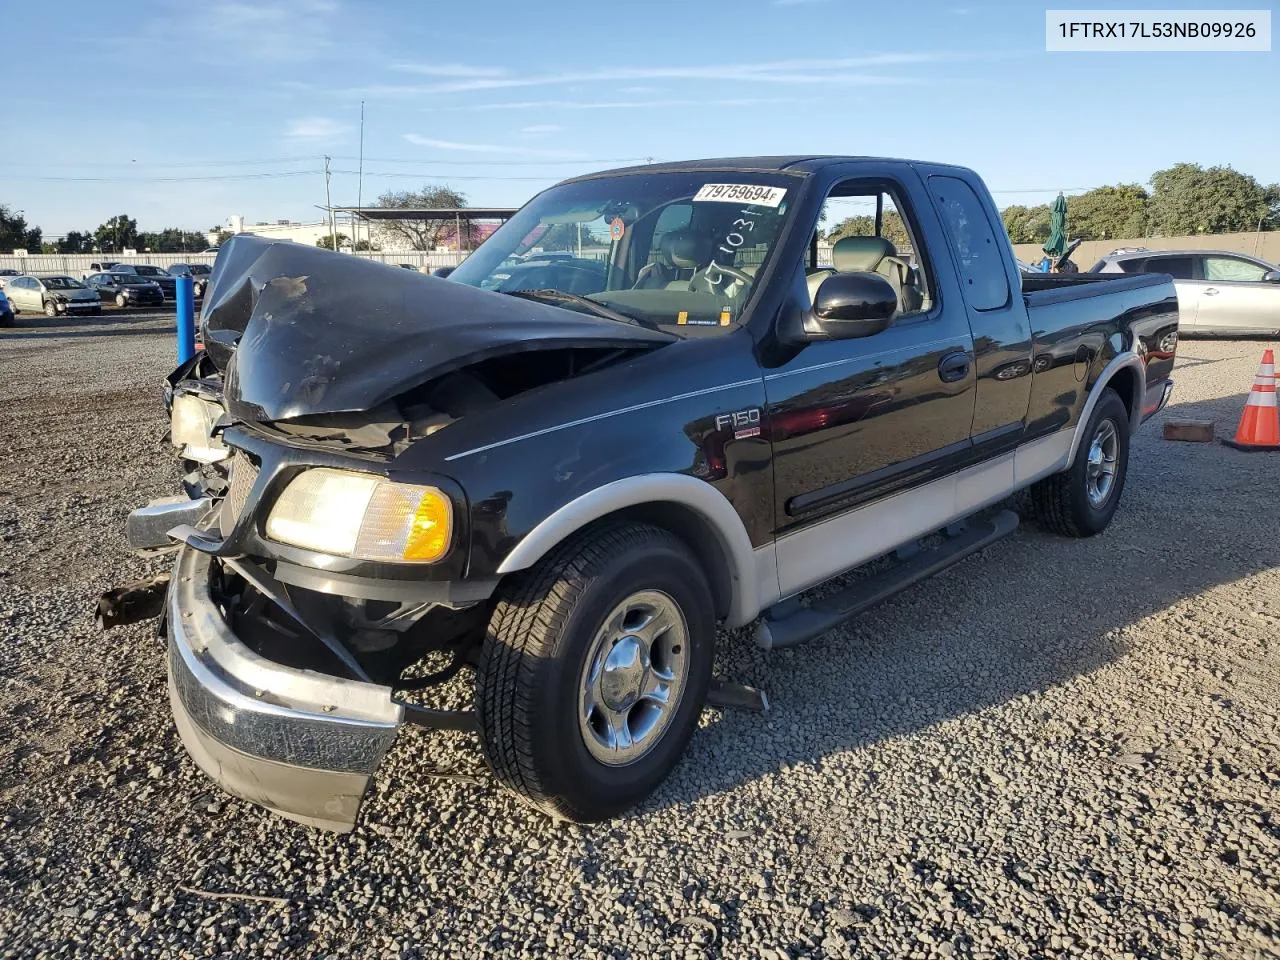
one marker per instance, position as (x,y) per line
(744,423)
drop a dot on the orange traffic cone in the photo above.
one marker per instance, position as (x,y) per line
(1260,423)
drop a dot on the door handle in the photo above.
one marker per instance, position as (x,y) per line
(1210,291)
(953,367)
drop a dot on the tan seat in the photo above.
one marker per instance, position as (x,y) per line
(878,255)
(814,280)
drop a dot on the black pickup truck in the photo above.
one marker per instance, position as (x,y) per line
(567,482)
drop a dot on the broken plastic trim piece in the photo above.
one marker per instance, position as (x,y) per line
(132,603)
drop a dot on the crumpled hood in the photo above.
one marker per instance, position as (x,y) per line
(300,331)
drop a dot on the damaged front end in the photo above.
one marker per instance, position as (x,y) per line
(317,580)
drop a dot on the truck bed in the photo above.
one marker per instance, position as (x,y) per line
(1047,288)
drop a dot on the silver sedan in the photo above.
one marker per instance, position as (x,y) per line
(1219,291)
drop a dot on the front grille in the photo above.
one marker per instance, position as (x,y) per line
(244,472)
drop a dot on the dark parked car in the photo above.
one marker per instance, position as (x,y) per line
(566,488)
(6,311)
(198,272)
(126,289)
(168,286)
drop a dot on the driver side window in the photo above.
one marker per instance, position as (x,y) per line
(852,238)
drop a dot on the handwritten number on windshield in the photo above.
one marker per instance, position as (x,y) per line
(731,243)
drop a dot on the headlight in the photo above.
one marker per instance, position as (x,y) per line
(362,516)
(191,428)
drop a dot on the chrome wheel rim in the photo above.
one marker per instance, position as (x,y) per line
(633,678)
(1100,472)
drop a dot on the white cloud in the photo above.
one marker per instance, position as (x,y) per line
(262,32)
(316,128)
(422,141)
(826,71)
(448,70)
(539,129)
(615,104)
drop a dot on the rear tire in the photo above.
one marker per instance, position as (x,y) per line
(577,671)
(1080,501)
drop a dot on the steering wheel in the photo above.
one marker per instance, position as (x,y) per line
(739,275)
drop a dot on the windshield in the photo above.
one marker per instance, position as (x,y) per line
(61,283)
(680,249)
(199,269)
(148,271)
(130,279)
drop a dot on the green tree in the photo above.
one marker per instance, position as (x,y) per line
(116,234)
(172,240)
(1190,199)
(1027,224)
(326,241)
(15,234)
(429,233)
(222,237)
(76,242)
(1106,213)
(567,236)
(864,225)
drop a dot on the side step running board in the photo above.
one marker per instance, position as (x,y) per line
(829,612)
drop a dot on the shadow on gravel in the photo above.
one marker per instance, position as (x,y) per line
(112,324)
(992,629)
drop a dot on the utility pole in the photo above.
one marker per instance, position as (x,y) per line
(333,229)
(359,178)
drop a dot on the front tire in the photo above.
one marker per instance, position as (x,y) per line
(1080,501)
(594,669)
(50,309)
(121,302)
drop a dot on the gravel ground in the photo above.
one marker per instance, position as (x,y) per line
(1057,748)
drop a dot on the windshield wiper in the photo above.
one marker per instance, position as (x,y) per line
(559,296)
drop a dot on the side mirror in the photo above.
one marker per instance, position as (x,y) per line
(851,305)
(1271,276)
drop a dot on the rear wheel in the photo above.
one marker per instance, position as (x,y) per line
(594,670)
(1080,501)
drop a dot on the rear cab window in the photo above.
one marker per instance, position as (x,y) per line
(979,254)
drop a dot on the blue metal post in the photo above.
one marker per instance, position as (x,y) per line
(186,294)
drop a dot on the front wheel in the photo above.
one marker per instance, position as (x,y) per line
(594,669)
(121,302)
(1080,501)
(50,309)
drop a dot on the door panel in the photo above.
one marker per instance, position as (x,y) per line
(996,313)
(1233,297)
(1240,307)
(1188,304)
(855,419)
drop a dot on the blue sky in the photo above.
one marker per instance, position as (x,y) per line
(500,99)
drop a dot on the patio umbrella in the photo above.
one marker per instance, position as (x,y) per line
(1056,245)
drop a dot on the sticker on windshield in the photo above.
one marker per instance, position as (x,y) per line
(616,228)
(754,194)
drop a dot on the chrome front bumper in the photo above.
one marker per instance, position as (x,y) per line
(148,527)
(301,743)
